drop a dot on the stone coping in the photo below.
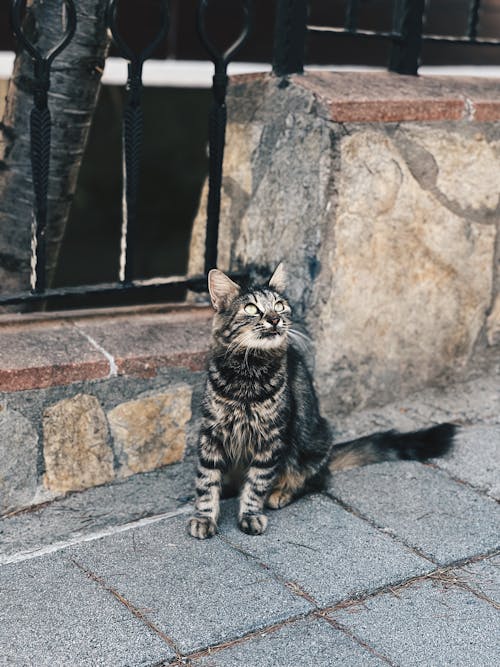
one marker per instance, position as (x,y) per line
(39,351)
(387,97)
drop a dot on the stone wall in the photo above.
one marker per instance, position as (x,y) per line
(88,401)
(381,193)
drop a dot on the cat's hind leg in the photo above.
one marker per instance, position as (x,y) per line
(291,484)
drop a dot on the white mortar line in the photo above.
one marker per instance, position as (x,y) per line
(22,556)
(469,109)
(113,368)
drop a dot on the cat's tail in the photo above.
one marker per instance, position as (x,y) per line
(393,446)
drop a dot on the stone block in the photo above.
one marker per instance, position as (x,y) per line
(150,431)
(328,552)
(76,448)
(53,615)
(445,520)
(197,593)
(427,624)
(309,643)
(390,256)
(18,460)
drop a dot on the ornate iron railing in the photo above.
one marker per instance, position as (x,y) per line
(132,143)
(406,34)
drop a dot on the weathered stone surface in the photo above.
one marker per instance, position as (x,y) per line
(475,458)
(390,255)
(53,615)
(151,431)
(76,450)
(427,624)
(493,323)
(446,521)
(475,159)
(18,460)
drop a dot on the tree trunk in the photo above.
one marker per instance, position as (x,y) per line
(75,81)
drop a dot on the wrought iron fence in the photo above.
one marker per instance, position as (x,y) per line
(291,30)
(406,34)
(40,127)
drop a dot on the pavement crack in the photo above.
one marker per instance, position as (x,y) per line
(185,659)
(446,576)
(341,628)
(292,586)
(482,491)
(131,608)
(379,528)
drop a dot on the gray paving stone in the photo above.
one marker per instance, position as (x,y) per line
(308,643)
(326,550)
(199,593)
(98,509)
(447,521)
(52,615)
(483,577)
(429,625)
(476,458)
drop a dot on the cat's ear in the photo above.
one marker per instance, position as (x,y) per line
(278,279)
(222,289)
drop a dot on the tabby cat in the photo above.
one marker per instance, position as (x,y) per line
(261,428)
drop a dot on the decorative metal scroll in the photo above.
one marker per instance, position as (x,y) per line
(217,123)
(40,126)
(132,133)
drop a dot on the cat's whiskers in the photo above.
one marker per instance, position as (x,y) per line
(239,344)
(299,338)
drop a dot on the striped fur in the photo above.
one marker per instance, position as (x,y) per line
(261,428)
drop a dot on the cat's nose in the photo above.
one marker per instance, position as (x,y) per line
(274,320)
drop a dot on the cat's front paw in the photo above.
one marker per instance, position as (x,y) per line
(201,527)
(253,524)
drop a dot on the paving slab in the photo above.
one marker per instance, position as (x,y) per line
(483,577)
(327,551)
(52,615)
(199,593)
(81,515)
(445,520)
(476,458)
(308,643)
(429,625)
(474,401)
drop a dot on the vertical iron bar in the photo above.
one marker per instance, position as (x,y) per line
(40,132)
(473,20)
(217,139)
(351,16)
(217,126)
(290,37)
(408,20)
(132,134)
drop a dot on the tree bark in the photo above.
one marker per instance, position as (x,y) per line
(75,81)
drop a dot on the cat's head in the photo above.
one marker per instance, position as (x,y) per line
(254,319)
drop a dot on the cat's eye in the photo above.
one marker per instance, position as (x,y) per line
(251,309)
(279,306)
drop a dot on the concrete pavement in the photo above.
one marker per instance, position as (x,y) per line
(393,564)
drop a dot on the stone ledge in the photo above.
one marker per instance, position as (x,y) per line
(38,352)
(387,97)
